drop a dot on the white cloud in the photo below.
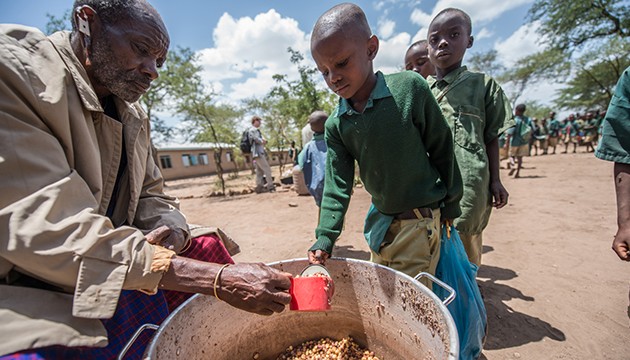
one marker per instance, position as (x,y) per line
(480,11)
(524,41)
(386,28)
(421,34)
(391,52)
(247,46)
(484,33)
(420,18)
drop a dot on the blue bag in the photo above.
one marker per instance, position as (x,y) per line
(467,309)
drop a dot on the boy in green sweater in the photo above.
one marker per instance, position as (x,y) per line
(477,112)
(394,129)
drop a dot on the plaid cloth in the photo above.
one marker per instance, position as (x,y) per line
(134,310)
(208,248)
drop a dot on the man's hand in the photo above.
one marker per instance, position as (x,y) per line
(621,244)
(318,257)
(170,238)
(499,194)
(256,288)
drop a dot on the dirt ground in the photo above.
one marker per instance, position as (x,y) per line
(553,287)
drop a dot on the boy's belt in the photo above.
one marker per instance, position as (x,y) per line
(417,213)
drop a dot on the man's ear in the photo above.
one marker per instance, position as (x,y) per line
(84,16)
(471,40)
(372,47)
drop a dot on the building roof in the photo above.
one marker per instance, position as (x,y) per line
(192,146)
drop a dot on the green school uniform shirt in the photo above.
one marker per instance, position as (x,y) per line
(614,144)
(477,111)
(519,123)
(404,150)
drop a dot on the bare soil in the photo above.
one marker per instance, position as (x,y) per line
(553,287)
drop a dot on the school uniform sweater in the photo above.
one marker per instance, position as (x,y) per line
(404,150)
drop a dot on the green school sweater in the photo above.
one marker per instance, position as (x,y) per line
(404,150)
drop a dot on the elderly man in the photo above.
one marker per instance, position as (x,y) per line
(85,228)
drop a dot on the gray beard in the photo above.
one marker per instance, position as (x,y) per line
(111,73)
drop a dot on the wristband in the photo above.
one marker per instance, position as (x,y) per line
(216,280)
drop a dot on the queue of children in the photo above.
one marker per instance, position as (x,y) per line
(575,130)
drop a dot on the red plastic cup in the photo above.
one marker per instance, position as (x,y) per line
(312,293)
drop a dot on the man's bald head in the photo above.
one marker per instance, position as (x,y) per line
(113,11)
(344,17)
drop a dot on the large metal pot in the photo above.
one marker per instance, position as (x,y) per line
(387,311)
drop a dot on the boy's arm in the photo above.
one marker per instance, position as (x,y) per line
(438,140)
(498,119)
(499,193)
(621,243)
(338,183)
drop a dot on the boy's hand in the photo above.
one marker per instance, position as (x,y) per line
(499,194)
(621,244)
(318,257)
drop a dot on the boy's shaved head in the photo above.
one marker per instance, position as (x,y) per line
(317,120)
(457,12)
(343,17)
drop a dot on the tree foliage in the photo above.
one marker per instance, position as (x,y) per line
(596,74)
(576,34)
(208,121)
(569,24)
(55,24)
(486,62)
(288,104)
(176,79)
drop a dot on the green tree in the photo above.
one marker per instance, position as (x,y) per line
(569,24)
(55,24)
(596,75)
(207,121)
(288,104)
(486,62)
(570,30)
(177,77)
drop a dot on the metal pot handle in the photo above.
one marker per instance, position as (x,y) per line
(451,291)
(133,339)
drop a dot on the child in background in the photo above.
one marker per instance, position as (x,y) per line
(554,131)
(312,160)
(417,59)
(477,112)
(393,128)
(519,146)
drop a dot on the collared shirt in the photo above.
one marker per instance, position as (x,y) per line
(477,111)
(614,145)
(516,139)
(404,150)
(59,162)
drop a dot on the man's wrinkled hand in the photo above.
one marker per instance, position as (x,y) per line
(256,288)
(170,238)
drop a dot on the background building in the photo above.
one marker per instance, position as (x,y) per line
(178,161)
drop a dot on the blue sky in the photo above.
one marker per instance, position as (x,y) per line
(242,43)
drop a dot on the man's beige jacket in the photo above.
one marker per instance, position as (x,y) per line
(59,158)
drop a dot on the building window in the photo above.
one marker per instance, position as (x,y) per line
(228,156)
(203,159)
(165,161)
(186,160)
